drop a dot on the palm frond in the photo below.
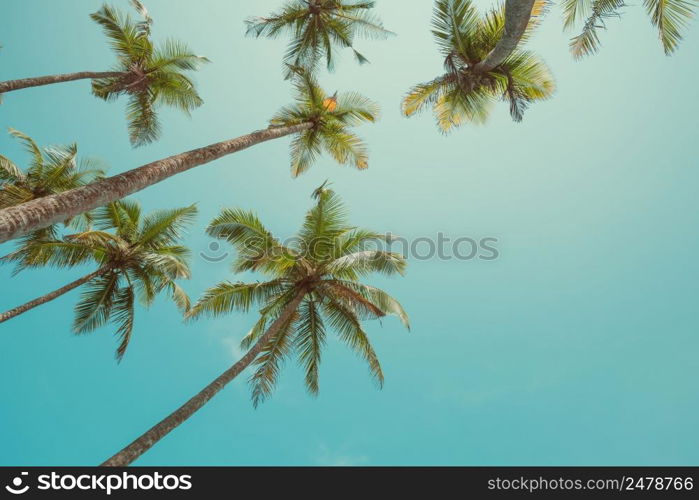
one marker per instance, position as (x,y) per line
(144,126)
(670,17)
(30,147)
(349,329)
(227,297)
(367,262)
(309,342)
(165,227)
(123,316)
(423,95)
(322,224)
(454,23)
(96,302)
(588,42)
(9,172)
(269,363)
(258,249)
(379,298)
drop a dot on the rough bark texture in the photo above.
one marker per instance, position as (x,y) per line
(517,16)
(50,296)
(156,433)
(42,212)
(26,83)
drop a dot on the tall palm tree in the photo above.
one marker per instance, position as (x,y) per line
(317,27)
(51,170)
(318,127)
(313,287)
(141,257)
(670,18)
(472,81)
(149,75)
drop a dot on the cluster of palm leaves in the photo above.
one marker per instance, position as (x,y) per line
(135,256)
(149,75)
(324,265)
(51,170)
(318,28)
(67,213)
(330,131)
(466,93)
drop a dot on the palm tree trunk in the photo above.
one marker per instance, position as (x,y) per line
(26,83)
(42,212)
(50,296)
(517,16)
(164,427)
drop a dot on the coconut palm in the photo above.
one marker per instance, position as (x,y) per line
(317,124)
(669,17)
(51,170)
(470,44)
(318,27)
(149,75)
(140,258)
(313,287)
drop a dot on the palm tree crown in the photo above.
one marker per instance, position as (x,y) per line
(140,258)
(465,94)
(51,170)
(331,117)
(317,27)
(325,266)
(150,75)
(669,17)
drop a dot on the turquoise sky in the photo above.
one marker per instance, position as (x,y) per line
(578,346)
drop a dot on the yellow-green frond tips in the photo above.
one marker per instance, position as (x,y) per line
(314,289)
(465,94)
(332,117)
(150,75)
(669,17)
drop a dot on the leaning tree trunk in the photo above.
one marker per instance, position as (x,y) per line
(50,296)
(42,212)
(517,16)
(164,427)
(26,83)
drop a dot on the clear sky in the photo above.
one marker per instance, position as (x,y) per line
(578,346)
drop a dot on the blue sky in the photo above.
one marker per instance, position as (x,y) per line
(577,346)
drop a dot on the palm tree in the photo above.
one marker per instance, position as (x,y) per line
(670,17)
(313,287)
(51,170)
(318,127)
(149,75)
(141,258)
(479,66)
(317,27)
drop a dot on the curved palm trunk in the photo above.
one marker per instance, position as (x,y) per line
(42,212)
(164,427)
(517,16)
(50,296)
(26,83)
